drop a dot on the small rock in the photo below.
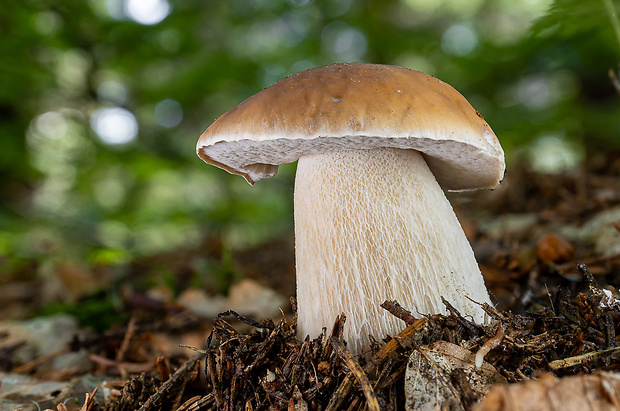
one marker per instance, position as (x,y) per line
(247,298)
(600,231)
(202,304)
(23,393)
(44,336)
(19,392)
(499,227)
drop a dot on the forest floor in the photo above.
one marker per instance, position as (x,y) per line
(548,247)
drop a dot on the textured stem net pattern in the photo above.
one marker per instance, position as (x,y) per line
(373,225)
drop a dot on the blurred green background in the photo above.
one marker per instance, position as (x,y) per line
(102,101)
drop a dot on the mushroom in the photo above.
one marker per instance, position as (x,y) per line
(376,144)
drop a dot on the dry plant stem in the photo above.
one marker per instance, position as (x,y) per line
(89,402)
(591,261)
(371,397)
(391,348)
(197,403)
(212,371)
(375,224)
(163,389)
(398,311)
(162,367)
(129,333)
(126,366)
(587,275)
(582,359)
(120,354)
(264,350)
(493,313)
(29,366)
(179,396)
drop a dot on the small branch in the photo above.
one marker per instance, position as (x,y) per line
(592,261)
(162,367)
(129,333)
(120,354)
(398,311)
(197,403)
(582,359)
(245,320)
(468,325)
(391,348)
(90,401)
(165,387)
(587,275)
(371,397)
(129,367)
(29,366)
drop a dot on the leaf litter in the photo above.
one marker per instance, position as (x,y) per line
(552,333)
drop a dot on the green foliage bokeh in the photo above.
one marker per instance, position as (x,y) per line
(537,71)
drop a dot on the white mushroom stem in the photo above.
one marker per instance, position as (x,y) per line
(373,225)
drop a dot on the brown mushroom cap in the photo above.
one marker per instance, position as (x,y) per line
(356,106)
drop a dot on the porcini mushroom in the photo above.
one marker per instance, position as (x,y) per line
(375,145)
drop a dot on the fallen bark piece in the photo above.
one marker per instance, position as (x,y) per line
(591,392)
(444,376)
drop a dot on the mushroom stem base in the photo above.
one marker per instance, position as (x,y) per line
(373,225)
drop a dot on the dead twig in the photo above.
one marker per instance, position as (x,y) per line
(162,367)
(197,403)
(398,311)
(129,333)
(132,368)
(474,329)
(263,349)
(582,359)
(89,403)
(390,349)
(371,397)
(165,387)
(587,275)
(120,354)
(591,261)
(246,320)
(29,366)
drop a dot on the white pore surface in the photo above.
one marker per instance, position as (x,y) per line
(372,225)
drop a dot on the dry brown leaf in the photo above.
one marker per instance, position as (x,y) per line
(432,378)
(591,392)
(554,248)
